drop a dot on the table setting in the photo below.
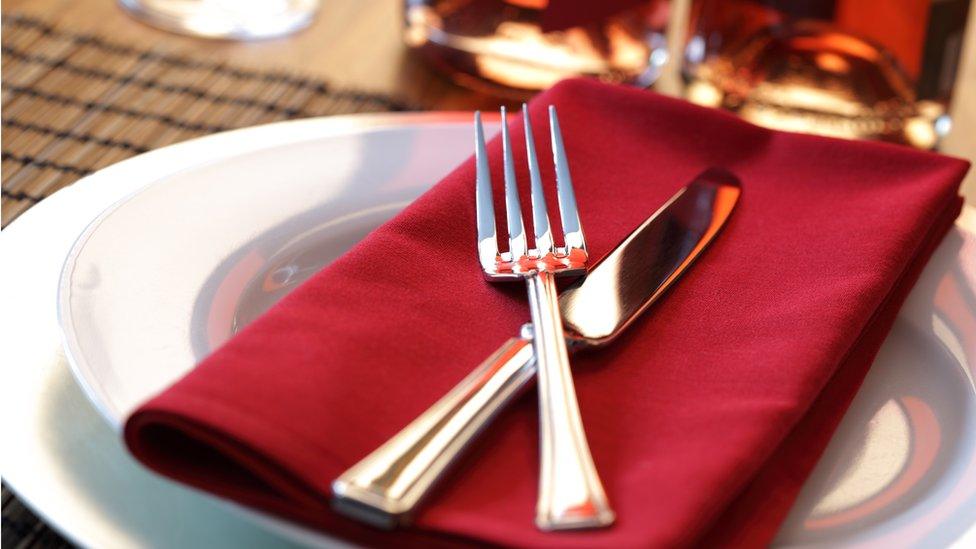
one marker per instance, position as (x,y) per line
(256,308)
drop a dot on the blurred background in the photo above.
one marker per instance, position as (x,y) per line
(902,71)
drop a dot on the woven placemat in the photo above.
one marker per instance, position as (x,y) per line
(74,103)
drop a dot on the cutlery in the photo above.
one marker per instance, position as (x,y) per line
(385,488)
(570,493)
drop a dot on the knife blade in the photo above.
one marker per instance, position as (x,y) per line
(386,486)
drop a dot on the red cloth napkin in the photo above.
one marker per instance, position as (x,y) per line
(703,419)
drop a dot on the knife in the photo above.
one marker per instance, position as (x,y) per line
(387,485)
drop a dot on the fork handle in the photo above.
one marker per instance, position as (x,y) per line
(385,487)
(570,493)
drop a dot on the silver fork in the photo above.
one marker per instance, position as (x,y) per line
(570,493)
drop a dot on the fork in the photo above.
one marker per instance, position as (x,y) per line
(570,493)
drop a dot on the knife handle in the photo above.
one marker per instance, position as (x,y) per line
(385,487)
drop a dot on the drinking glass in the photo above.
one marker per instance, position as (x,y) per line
(232,19)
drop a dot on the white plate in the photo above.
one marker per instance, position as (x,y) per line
(231,215)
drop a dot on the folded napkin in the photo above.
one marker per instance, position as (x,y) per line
(704,418)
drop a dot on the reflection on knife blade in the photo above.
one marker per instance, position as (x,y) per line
(642,267)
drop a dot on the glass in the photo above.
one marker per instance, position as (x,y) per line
(877,69)
(233,19)
(515,47)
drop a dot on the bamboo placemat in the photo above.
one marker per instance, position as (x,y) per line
(73,103)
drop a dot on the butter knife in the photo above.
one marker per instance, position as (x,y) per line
(386,486)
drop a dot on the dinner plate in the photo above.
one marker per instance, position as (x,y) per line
(225,225)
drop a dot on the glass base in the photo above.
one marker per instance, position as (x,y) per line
(226,19)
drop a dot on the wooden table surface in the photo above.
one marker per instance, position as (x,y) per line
(357,44)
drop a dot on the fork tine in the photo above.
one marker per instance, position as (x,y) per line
(516,230)
(487,242)
(568,212)
(540,215)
